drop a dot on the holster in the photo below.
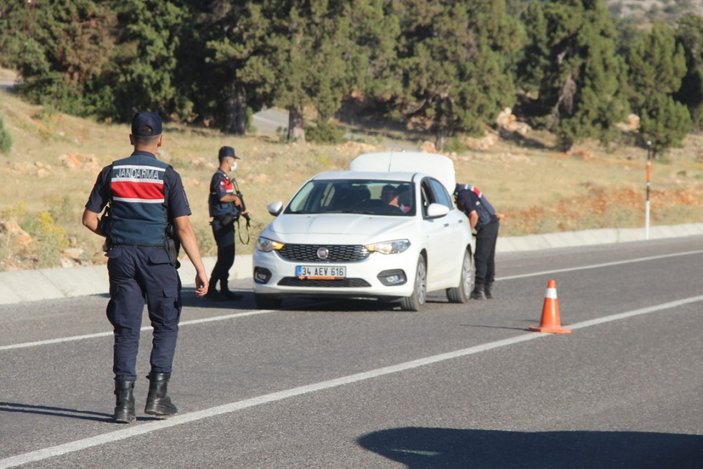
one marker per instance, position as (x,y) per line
(172,245)
(104,228)
(226,219)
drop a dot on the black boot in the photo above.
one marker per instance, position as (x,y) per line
(227,293)
(212,292)
(157,402)
(488,290)
(478,292)
(124,405)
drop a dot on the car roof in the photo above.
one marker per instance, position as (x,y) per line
(404,176)
(440,167)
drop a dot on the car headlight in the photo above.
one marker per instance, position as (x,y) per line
(389,247)
(268,245)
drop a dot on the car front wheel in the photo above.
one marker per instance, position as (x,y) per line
(460,294)
(417,299)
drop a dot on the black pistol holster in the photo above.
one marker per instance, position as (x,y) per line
(172,245)
(104,228)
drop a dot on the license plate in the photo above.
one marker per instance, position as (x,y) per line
(314,272)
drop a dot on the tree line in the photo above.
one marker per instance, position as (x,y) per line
(442,67)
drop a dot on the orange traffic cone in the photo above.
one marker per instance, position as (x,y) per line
(550,322)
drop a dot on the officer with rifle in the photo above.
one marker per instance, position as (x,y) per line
(226,205)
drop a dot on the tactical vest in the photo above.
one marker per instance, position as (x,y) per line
(138,212)
(217,208)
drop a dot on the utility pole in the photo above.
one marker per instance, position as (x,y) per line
(648,183)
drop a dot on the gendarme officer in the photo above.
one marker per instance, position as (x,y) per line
(148,214)
(482,218)
(225,205)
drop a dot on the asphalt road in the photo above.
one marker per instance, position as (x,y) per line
(355,385)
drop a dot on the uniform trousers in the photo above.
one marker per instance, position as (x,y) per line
(486,237)
(139,275)
(224,238)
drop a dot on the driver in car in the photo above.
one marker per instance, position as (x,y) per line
(389,196)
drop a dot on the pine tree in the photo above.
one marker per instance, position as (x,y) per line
(372,57)
(533,62)
(61,47)
(656,63)
(581,91)
(657,66)
(690,35)
(455,59)
(231,40)
(141,72)
(664,122)
(313,50)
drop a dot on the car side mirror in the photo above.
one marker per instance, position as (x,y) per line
(275,208)
(437,211)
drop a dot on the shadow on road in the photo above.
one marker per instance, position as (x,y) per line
(16,407)
(55,411)
(467,449)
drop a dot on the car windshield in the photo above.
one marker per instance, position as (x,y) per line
(367,197)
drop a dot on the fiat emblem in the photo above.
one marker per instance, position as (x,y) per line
(323,253)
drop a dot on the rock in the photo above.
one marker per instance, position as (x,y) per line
(67,263)
(428,147)
(13,229)
(488,140)
(260,178)
(73,253)
(357,148)
(505,117)
(507,120)
(199,162)
(74,161)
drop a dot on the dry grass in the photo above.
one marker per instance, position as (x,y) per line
(538,190)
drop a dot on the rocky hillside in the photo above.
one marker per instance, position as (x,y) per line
(654,10)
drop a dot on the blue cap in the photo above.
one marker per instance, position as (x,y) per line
(146,124)
(227,152)
(459,188)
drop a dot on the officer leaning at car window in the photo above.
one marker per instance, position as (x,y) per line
(225,206)
(484,219)
(148,217)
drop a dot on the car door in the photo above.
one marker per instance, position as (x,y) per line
(444,249)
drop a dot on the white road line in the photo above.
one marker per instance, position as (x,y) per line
(76,338)
(598,266)
(257,312)
(141,429)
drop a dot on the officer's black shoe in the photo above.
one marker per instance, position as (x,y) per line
(157,402)
(213,294)
(124,405)
(229,294)
(478,293)
(488,290)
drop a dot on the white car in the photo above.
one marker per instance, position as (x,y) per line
(386,229)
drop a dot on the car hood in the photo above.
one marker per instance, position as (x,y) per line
(338,228)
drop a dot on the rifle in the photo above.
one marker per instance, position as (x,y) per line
(243,209)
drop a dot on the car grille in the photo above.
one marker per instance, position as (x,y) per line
(339,283)
(337,253)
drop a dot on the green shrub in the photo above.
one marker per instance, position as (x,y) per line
(51,238)
(5,138)
(324,132)
(455,145)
